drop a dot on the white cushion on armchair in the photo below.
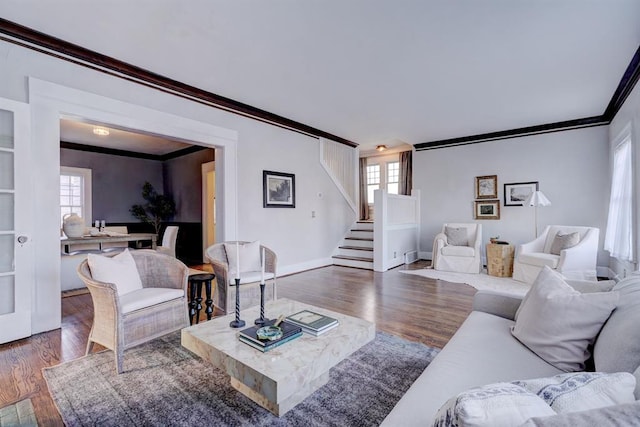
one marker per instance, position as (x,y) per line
(578,261)
(462,259)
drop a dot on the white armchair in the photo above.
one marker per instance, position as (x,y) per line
(465,258)
(577,261)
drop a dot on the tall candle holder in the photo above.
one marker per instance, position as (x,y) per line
(237,323)
(261,320)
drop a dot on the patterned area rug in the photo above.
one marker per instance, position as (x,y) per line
(19,414)
(480,281)
(166,385)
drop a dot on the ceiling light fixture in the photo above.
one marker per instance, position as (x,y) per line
(381,147)
(101,131)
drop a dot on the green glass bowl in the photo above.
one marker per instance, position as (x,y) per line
(269,333)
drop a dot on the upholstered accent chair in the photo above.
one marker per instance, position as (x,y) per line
(458,248)
(249,279)
(169,238)
(572,251)
(122,321)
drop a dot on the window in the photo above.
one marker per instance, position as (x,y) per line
(75,192)
(619,236)
(373,181)
(393,175)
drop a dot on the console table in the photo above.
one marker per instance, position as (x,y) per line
(67,242)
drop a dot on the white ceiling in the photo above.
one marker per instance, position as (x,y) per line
(119,139)
(371,71)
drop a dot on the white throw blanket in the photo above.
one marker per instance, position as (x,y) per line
(480,281)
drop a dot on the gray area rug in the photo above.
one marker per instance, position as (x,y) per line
(166,385)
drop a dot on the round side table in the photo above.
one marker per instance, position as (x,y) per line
(195,296)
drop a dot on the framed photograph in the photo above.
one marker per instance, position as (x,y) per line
(487,187)
(515,194)
(487,209)
(279,190)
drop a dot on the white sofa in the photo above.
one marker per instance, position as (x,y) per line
(483,351)
(461,259)
(577,262)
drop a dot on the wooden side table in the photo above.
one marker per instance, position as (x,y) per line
(195,296)
(500,260)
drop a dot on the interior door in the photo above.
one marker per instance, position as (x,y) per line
(16,260)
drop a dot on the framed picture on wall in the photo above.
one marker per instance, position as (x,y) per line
(278,190)
(487,187)
(515,194)
(487,209)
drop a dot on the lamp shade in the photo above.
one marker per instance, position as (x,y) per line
(537,198)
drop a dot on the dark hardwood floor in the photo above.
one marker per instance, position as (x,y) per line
(416,308)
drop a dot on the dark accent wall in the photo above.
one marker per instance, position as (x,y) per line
(183,179)
(117,185)
(116,181)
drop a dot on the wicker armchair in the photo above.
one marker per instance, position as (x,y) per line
(118,324)
(249,281)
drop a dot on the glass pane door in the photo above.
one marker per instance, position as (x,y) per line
(16,281)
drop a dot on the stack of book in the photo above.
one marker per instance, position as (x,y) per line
(289,332)
(312,322)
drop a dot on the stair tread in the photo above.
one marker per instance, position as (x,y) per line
(356,248)
(359,238)
(353,258)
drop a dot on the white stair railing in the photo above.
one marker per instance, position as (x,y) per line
(341,163)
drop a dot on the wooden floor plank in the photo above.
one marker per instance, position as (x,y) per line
(415,308)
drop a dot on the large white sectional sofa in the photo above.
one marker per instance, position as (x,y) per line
(484,351)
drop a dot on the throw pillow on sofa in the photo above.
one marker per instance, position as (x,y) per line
(559,323)
(493,405)
(581,391)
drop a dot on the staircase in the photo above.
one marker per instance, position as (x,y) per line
(356,249)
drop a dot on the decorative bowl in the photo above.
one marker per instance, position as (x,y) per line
(269,333)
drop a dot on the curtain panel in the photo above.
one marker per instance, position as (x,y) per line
(406,173)
(364,203)
(619,236)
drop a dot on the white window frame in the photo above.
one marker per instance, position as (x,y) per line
(379,183)
(85,173)
(387,182)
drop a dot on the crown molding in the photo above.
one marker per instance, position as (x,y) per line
(61,49)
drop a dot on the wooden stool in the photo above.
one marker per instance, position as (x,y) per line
(195,296)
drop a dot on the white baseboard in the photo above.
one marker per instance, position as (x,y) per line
(425,255)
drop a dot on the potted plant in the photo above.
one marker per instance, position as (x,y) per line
(157,208)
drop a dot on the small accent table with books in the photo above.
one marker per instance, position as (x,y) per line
(284,376)
(500,259)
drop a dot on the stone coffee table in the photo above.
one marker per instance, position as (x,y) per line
(282,377)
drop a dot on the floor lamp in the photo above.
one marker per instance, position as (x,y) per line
(537,198)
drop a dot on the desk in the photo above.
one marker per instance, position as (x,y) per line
(67,242)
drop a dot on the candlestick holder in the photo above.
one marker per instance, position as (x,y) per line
(237,323)
(261,320)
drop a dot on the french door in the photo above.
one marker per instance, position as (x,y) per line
(16,259)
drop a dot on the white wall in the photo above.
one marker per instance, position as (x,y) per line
(571,167)
(629,114)
(299,240)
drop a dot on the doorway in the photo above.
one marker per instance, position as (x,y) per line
(49,102)
(208,206)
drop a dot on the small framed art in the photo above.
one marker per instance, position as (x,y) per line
(279,190)
(487,209)
(487,187)
(515,194)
